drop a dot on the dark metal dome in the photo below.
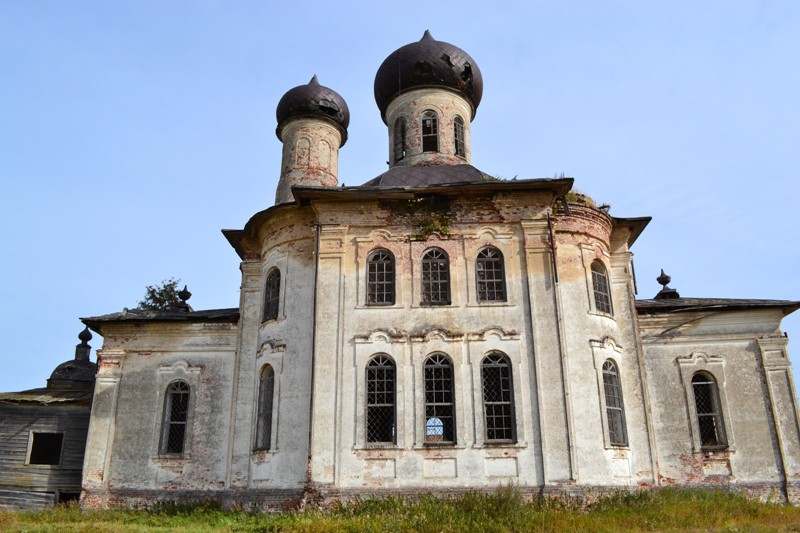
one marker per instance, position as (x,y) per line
(314,100)
(72,373)
(428,63)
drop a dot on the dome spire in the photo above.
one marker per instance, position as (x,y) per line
(427,36)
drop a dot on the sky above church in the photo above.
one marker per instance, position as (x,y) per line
(132,132)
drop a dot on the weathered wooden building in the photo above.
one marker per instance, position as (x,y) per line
(43,435)
(435,329)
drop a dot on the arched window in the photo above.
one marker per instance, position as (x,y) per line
(430,131)
(602,290)
(381,415)
(176,414)
(615,411)
(440,416)
(380,278)
(266,393)
(491,276)
(458,133)
(435,277)
(498,398)
(709,411)
(272,293)
(399,139)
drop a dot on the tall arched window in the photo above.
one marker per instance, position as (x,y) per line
(399,139)
(176,415)
(440,416)
(709,411)
(602,290)
(381,414)
(430,131)
(272,293)
(435,277)
(491,276)
(615,411)
(380,278)
(266,393)
(498,398)
(458,133)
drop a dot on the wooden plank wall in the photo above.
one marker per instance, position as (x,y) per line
(34,486)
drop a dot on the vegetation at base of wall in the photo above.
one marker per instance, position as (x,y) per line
(505,510)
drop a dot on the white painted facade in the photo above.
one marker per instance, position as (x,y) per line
(554,334)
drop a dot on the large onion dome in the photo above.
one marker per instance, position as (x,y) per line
(428,63)
(314,100)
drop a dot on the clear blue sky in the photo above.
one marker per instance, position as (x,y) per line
(132,132)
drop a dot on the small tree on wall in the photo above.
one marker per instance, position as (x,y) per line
(161,297)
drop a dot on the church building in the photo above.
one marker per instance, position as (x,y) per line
(435,329)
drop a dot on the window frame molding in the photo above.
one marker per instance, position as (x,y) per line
(713,365)
(272,411)
(481,397)
(437,135)
(607,349)
(589,254)
(167,373)
(403,285)
(367,263)
(166,420)
(365,398)
(459,121)
(403,142)
(422,256)
(366,347)
(276,258)
(60,464)
(454,388)
(264,318)
(504,274)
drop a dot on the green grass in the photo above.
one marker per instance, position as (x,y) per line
(667,510)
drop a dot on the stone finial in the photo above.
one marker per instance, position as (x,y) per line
(83,349)
(182,306)
(665,292)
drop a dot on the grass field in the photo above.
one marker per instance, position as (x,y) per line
(667,510)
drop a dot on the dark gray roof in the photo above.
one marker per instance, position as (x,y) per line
(675,305)
(428,63)
(140,315)
(47,396)
(422,176)
(314,100)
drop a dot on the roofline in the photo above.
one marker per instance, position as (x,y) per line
(230,315)
(677,305)
(635,224)
(304,195)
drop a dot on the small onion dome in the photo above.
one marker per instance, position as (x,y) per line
(314,100)
(428,63)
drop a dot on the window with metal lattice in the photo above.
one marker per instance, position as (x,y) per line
(435,277)
(381,412)
(615,410)
(490,275)
(266,392)
(380,278)
(176,415)
(440,416)
(709,411)
(602,289)
(399,140)
(498,399)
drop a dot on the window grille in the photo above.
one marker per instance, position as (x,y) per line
(266,393)
(176,411)
(380,278)
(439,401)
(399,139)
(381,414)
(602,292)
(490,273)
(435,277)
(615,411)
(430,131)
(458,127)
(498,398)
(272,292)
(709,412)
